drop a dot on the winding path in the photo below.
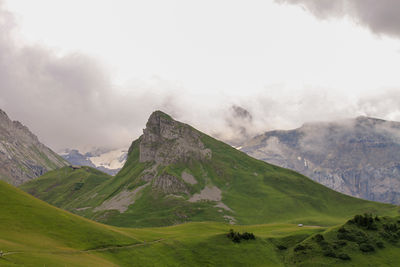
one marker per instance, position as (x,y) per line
(86,250)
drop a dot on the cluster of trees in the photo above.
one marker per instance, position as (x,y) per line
(366,220)
(237,237)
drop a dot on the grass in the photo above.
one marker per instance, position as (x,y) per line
(34,233)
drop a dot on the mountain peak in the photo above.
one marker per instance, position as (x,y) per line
(160,114)
(167,141)
(3,114)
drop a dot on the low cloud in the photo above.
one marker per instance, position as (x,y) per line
(71,102)
(379,16)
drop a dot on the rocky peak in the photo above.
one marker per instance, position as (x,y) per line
(3,114)
(22,156)
(15,130)
(167,141)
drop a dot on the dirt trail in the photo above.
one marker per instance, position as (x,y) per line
(85,251)
(122,247)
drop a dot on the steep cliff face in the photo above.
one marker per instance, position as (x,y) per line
(22,156)
(358,157)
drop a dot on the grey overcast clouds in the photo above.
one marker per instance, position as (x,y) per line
(89,73)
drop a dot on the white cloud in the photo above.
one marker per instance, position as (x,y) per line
(282,76)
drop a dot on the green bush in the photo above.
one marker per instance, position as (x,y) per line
(365,247)
(380,244)
(344,256)
(341,243)
(299,247)
(318,238)
(78,186)
(281,247)
(237,237)
(329,253)
(366,221)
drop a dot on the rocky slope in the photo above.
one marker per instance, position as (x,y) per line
(22,156)
(175,173)
(358,157)
(109,161)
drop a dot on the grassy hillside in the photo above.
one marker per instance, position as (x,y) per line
(33,233)
(154,193)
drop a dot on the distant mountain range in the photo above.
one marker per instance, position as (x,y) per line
(107,160)
(358,157)
(22,156)
(175,174)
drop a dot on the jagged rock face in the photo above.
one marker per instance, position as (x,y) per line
(166,141)
(359,157)
(170,184)
(22,156)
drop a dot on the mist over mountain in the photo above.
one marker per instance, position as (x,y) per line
(358,157)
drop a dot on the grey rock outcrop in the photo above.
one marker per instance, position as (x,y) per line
(166,141)
(22,156)
(358,157)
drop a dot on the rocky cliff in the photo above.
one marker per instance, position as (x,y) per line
(358,157)
(167,141)
(22,156)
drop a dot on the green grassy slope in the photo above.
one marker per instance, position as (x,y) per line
(255,192)
(66,186)
(363,241)
(33,233)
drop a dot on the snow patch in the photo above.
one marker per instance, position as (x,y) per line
(114,159)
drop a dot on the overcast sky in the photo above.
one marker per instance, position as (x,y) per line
(89,73)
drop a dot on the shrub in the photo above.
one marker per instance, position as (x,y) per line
(390,227)
(78,186)
(355,236)
(366,247)
(329,253)
(367,221)
(344,257)
(281,247)
(341,243)
(380,244)
(299,247)
(237,237)
(319,238)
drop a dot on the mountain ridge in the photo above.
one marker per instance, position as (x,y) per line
(22,156)
(175,174)
(358,156)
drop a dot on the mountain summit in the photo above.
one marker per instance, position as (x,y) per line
(166,141)
(22,156)
(175,173)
